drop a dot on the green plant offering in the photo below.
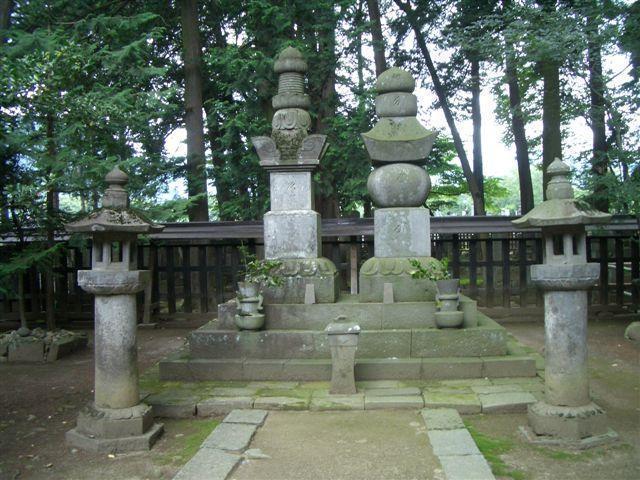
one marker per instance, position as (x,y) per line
(261,272)
(434,270)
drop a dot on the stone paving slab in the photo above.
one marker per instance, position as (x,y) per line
(251,417)
(208,464)
(281,403)
(441,419)
(230,437)
(508,387)
(466,403)
(506,402)
(234,392)
(466,467)
(452,442)
(337,402)
(222,405)
(273,385)
(401,401)
(392,392)
(378,384)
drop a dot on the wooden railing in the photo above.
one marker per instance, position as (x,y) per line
(195,266)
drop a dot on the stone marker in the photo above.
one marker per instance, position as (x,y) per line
(115,421)
(292,228)
(567,413)
(343,341)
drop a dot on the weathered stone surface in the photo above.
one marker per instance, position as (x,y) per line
(469,309)
(75,438)
(399,185)
(208,464)
(507,387)
(221,405)
(292,234)
(452,442)
(441,419)
(343,341)
(400,401)
(31,350)
(466,467)
(632,332)
(466,403)
(384,369)
(281,403)
(572,423)
(230,437)
(506,402)
(226,315)
(337,402)
(297,274)
(392,392)
(233,391)
(472,342)
(118,423)
(511,366)
(451,368)
(172,405)
(291,191)
(274,385)
(251,417)
(401,232)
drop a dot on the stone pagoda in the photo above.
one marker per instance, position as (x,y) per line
(292,229)
(567,414)
(116,420)
(398,146)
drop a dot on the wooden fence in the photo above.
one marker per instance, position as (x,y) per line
(195,266)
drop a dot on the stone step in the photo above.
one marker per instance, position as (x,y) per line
(375,316)
(488,339)
(444,368)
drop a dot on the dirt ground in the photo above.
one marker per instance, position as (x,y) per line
(39,403)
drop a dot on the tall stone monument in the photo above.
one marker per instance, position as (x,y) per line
(292,229)
(116,421)
(398,146)
(567,414)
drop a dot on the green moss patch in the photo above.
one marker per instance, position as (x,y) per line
(186,443)
(492,448)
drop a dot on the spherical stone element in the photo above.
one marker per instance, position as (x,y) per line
(290,60)
(395,80)
(117,177)
(396,104)
(399,185)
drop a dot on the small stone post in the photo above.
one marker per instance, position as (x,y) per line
(398,146)
(343,341)
(116,421)
(292,229)
(567,414)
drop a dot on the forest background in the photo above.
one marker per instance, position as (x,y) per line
(87,85)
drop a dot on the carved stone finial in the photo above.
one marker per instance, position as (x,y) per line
(116,196)
(559,186)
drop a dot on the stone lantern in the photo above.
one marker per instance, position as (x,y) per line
(567,414)
(116,421)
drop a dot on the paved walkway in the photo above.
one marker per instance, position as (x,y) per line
(384,445)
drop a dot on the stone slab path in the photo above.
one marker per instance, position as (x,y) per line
(342,445)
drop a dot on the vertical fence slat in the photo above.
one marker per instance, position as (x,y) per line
(186,279)
(603,259)
(634,250)
(619,253)
(218,271)
(488,274)
(506,274)
(473,267)
(171,280)
(202,277)
(455,255)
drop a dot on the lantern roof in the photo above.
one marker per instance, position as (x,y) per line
(115,214)
(560,208)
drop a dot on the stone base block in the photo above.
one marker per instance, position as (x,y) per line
(567,423)
(31,350)
(115,423)
(401,232)
(297,274)
(136,443)
(581,444)
(376,271)
(292,234)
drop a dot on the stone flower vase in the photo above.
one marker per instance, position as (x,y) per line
(249,304)
(448,298)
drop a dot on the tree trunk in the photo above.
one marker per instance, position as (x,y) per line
(52,204)
(22,313)
(198,209)
(377,39)
(597,108)
(478,205)
(476,118)
(518,127)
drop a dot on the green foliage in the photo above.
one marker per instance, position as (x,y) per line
(492,449)
(433,270)
(261,272)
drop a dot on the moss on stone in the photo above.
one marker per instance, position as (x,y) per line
(492,448)
(186,446)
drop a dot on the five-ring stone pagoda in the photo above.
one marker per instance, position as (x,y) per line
(393,313)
